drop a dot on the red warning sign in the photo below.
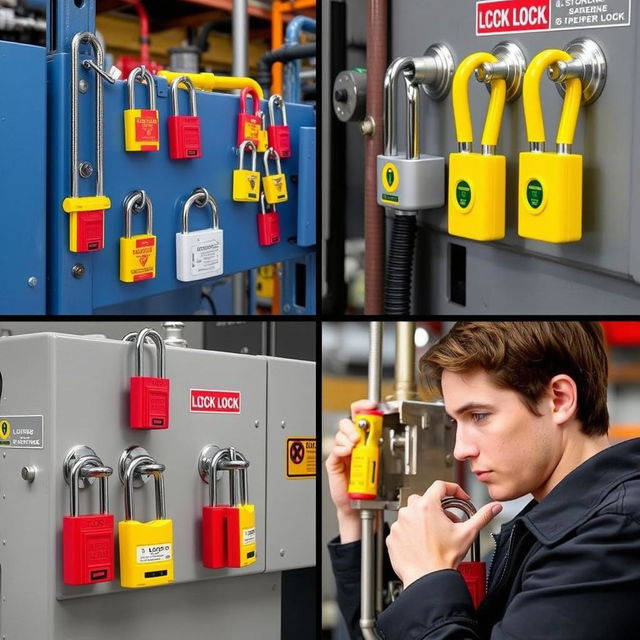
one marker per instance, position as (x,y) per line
(213,401)
(512,16)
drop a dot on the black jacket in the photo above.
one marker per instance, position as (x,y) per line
(565,568)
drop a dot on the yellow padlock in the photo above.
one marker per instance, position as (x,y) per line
(146,548)
(365,457)
(477,181)
(263,136)
(275,186)
(137,253)
(246,183)
(550,184)
(141,126)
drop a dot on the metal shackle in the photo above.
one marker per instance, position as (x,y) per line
(264,205)
(236,463)
(276,101)
(175,88)
(151,85)
(135,202)
(469,510)
(89,467)
(263,119)
(213,470)
(160,351)
(144,465)
(200,197)
(271,152)
(249,92)
(254,154)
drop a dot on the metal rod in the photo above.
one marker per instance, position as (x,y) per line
(375,361)
(405,383)
(413,120)
(379,560)
(367,609)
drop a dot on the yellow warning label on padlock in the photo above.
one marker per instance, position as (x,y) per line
(137,258)
(390,178)
(141,130)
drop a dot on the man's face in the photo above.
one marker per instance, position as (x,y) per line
(510,449)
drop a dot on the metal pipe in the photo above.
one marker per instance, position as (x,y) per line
(292,77)
(405,383)
(375,361)
(379,560)
(367,609)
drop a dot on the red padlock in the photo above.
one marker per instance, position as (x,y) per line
(268,224)
(249,124)
(87,231)
(279,134)
(214,517)
(149,396)
(185,139)
(88,540)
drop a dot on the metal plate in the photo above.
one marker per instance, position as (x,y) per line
(592,57)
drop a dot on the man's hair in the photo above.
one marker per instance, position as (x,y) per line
(524,356)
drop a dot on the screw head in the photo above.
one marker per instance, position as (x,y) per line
(32,281)
(85,169)
(83,86)
(282,553)
(78,270)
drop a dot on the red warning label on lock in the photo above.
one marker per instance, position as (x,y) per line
(209,401)
(500,16)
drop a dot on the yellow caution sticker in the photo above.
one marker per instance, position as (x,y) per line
(390,177)
(301,457)
(5,430)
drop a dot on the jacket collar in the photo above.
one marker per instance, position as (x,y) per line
(575,498)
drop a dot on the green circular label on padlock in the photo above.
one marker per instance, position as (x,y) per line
(463,194)
(534,194)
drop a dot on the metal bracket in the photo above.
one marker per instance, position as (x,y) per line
(80,451)
(511,66)
(436,76)
(126,458)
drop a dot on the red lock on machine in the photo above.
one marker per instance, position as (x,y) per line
(87,540)
(249,124)
(149,396)
(184,131)
(279,134)
(268,224)
(474,572)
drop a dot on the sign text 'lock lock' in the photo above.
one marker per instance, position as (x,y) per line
(146,548)
(365,457)
(246,182)
(199,254)
(184,131)
(141,126)
(279,136)
(138,252)
(249,124)
(274,185)
(268,224)
(88,541)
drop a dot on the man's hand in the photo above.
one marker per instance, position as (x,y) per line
(426,538)
(338,465)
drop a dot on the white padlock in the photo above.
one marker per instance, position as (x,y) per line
(199,254)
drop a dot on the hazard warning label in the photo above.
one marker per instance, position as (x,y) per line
(521,16)
(301,457)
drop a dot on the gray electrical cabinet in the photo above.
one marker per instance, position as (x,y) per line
(59,391)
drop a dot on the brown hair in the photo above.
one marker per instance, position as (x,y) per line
(524,356)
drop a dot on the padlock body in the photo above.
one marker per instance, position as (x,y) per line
(138,258)
(246,185)
(477,192)
(241,535)
(475,577)
(199,254)
(275,188)
(365,460)
(550,197)
(268,228)
(249,126)
(86,231)
(411,185)
(185,139)
(141,130)
(146,553)
(149,403)
(88,546)
(279,138)
(214,536)
(263,141)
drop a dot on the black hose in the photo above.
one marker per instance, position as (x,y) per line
(285,53)
(397,294)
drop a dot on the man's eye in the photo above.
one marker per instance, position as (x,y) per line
(479,417)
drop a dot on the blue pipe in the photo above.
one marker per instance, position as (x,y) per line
(292,82)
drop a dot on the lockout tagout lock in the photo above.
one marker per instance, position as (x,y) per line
(278,134)
(249,124)
(138,252)
(365,458)
(184,131)
(268,224)
(141,126)
(275,186)
(246,182)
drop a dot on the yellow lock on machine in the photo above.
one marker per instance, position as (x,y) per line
(137,253)
(365,457)
(275,186)
(246,182)
(141,126)
(146,548)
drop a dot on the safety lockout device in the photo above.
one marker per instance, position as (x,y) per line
(137,253)
(550,184)
(477,181)
(149,396)
(146,548)
(141,126)
(268,224)
(365,457)
(87,540)
(263,136)
(473,572)
(199,254)
(416,181)
(246,182)
(278,134)
(275,186)
(86,213)
(249,124)
(184,131)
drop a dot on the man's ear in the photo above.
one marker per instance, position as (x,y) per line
(564,398)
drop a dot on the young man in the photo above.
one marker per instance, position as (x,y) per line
(529,402)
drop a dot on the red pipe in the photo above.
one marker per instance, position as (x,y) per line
(144,30)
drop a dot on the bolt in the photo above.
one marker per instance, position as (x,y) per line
(341,95)
(77,271)
(85,169)
(256,424)
(83,86)
(32,281)
(28,473)
(244,350)
(282,553)
(283,424)
(286,308)
(368,126)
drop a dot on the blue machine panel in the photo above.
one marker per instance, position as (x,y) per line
(22,167)
(168,183)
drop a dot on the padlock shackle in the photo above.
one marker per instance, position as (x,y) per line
(462,110)
(469,510)
(160,352)
(144,465)
(174,89)
(271,152)
(399,66)
(238,465)
(249,92)
(254,154)
(151,85)
(89,466)
(200,197)
(533,117)
(276,100)
(264,204)
(79,39)
(134,203)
